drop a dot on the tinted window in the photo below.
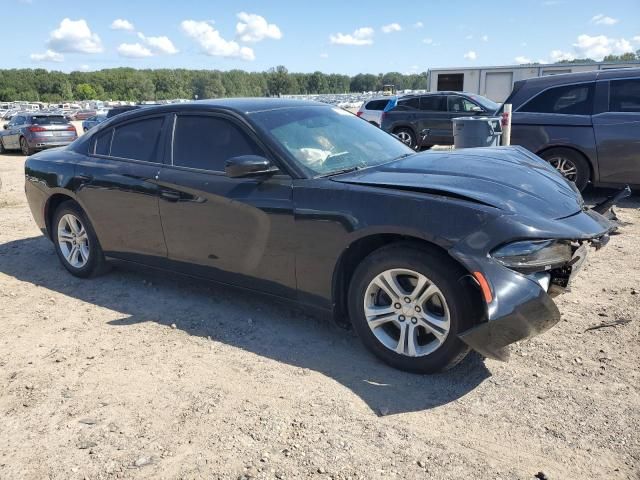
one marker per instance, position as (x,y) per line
(376,104)
(137,140)
(412,103)
(461,104)
(103,143)
(18,120)
(569,99)
(208,142)
(624,96)
(433,103)
(49,120)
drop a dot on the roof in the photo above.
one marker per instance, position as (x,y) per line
(583,76)
(252,105)
(599,65)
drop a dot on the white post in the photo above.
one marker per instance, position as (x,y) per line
(506,124)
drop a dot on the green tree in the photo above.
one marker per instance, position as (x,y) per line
(84,91)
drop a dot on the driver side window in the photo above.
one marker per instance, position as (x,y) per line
(461,104)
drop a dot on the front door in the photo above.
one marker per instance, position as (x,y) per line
(617,133)
(237,231)
(117,187)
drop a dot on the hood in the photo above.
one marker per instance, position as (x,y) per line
(509,178)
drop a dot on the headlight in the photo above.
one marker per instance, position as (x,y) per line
(533,255)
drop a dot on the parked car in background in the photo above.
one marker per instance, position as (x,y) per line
(587,125)
(372,110)
(422,121)
(29,132)
(91,122)
(426,254)
(83,114)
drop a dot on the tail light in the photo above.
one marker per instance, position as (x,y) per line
(71,128)
(37,129)
(359,113)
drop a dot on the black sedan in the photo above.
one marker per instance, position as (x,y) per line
(425,255)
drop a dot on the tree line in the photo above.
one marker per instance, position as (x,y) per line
(163,84)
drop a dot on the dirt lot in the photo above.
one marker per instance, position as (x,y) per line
(140,375)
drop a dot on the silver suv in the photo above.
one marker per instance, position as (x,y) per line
(371,110)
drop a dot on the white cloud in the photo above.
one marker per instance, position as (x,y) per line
(74,36)
(134,50)
(254,28)
(636,39)
(159,45)
(48,56)
(362,36)
(484,38)
(428,41)
(559,55)
(392,27)
(85,68)
(212,43)
(599,46)
(471,55)
(521,59)
(602,19)
(122,24)
(324,55)
(418,25)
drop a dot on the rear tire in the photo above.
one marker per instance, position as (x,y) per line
(2,149)
(571,164)
(407,137)
(431,313)
(76,242)
(25,148)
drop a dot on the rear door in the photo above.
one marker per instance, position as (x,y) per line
(11,139)
(617,131)
(434,120)
(118,188)
(233,230)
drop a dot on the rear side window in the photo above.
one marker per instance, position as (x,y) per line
(568,100)
(624,96)
(206,142)
(460,104)
(137,140)
(376,104)
(103,143)
(433,103)
(412,103)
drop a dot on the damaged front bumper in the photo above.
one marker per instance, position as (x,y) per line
(521,305)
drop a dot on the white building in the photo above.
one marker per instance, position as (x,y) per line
(497,82)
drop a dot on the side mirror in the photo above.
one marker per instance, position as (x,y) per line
(6,126)
(477,109)
(249,166)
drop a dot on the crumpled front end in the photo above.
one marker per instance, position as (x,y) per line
(518,295)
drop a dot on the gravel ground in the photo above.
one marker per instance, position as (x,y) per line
(143,375)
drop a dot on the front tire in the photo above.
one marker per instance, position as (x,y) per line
(571,165)
(76,242)
(408,307)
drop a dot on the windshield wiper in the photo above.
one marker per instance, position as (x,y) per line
(341,171)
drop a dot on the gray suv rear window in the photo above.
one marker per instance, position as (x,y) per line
(376,104)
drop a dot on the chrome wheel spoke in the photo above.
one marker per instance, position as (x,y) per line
(402,340)
(427,294)
(73,241)
(436,325)
(379,321)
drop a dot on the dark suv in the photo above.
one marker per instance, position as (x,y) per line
(425,120)
(587,125)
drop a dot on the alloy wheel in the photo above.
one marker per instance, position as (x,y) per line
(405,137)
(407,312)
(23,146)
(565,166)
(73,240)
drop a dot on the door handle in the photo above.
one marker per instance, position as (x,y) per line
(170,196)
(84,178)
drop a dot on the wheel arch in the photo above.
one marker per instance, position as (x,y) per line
(50,207)
(364,246)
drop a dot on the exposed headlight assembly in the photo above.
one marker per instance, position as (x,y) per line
(534,255)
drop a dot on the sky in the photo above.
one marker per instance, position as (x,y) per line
(331,36)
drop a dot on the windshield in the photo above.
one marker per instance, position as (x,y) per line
(327,140)
(488,105)
(49,120)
